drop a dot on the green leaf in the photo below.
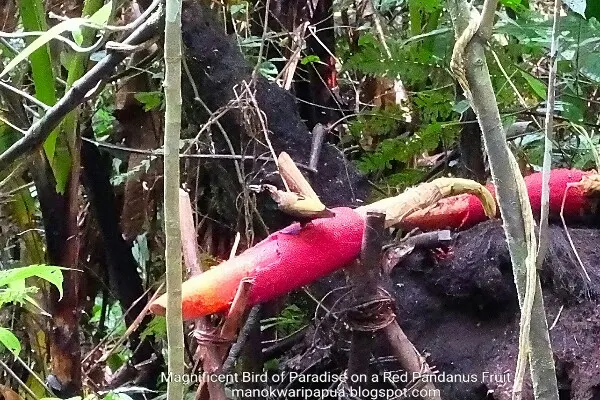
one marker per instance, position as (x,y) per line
(77,36)
(102,123)
(461,106)
(102,16)
(406,178)
(150,100)
(272,365)
(49,273)
(268,69)
(61,164)
(310,59)
(118,396)
(10,341)
(290,319)
(426,6)
(99,18)
(589,65)
(238,8)
(538,87)
(156,327)
(115,361)
(573,108)
(18,295)
(514,4)
(76,66)
(114,319)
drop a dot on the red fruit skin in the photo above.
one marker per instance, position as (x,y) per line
(284,261)
(560,180)
(464,211)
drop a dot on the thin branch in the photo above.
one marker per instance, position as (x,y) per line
(160,153)
(365,278)
(22,384)
(549,134)
(206,353)
(25,95)
(238,346)
(410,360)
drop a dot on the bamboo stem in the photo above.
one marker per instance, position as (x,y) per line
(172,85)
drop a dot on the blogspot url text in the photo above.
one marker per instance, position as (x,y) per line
(338,385)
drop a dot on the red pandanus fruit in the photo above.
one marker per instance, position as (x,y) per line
(296,256)
(464,211)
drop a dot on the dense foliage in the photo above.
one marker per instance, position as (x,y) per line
(398,117)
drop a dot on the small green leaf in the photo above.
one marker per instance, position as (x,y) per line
(511,3)
(515,5)
(268,69)
(461,106)
(10,341)
(102,16)
(238,8)
(77,36)
(156,327)
(272,365)
(115,361)
(573,108)
(67,57)
(310,59)
(589,65)
(61,164)
(102,123)
(538,87)
(122,396)
(150,100)
(406,178)
(16,294)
